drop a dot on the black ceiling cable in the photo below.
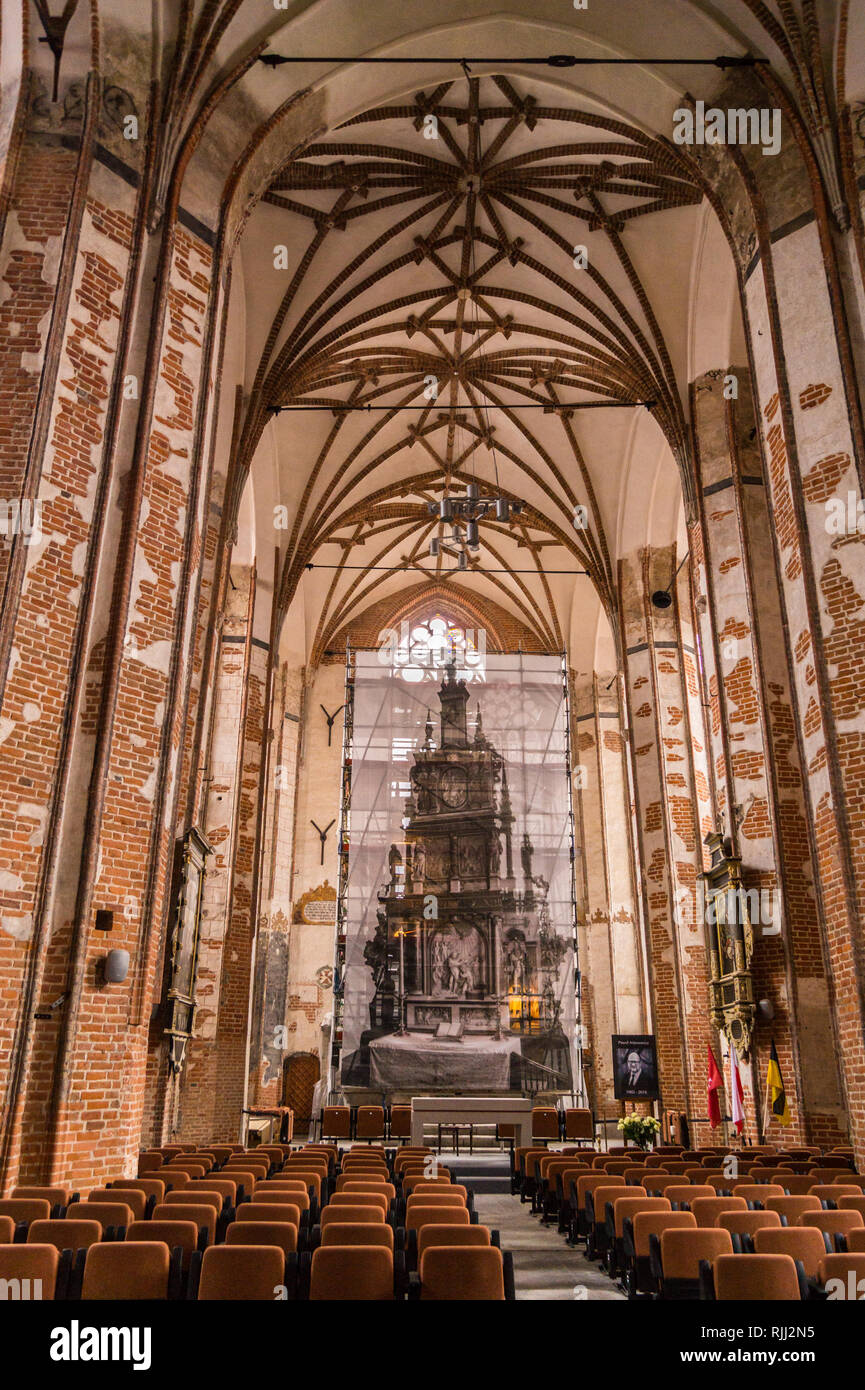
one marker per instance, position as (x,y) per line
(556,60)
(403,569)
(551,408)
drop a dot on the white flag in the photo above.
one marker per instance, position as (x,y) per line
(737,1095)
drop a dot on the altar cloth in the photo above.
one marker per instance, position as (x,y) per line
(412,1061)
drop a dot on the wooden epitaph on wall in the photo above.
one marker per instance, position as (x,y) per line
(317,906)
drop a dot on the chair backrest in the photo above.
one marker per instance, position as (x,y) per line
(351,1215)
(450,1234)
(151,1187)
(834,1223)
(746,1222)
(312,1180)
(113,1213)
(443,1197)
(606,1193)
(412,1184)
(130,1196)
(465,1273)
(26,1209)
(281,1233)
(757,1191)
(241,1272)
(834,1191)
(360,1199)
(625,1207)
(181,1235)
(803,1243)
(649,1223)
(189,1166)
(579,1124)
(57,1196)
(367,1185)
(35,1263)
(65,1234)
(226,1188)
(791,1208)
(851,1202)
(282,1213)
(656,1183)
(336,1121)
(682,1249)
(587,1182)
(277,1191)
(848,1269)
(348,1233)
(202,1215)
(830,1174)
(149,1163)
(242,1176)
(707,1209)
(342,1273)
(369,1121)
(686,1193)
(758,1278)
(545,1122)
(126,1270)
(196,1195)
(400,1121)
(416,1217)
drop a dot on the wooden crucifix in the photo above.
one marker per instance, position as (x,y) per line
(322,835)
(330,718)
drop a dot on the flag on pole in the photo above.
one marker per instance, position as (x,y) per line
(737,1095)
(776,1097)
(713,1085)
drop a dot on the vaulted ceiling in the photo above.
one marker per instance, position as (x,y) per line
(477,284)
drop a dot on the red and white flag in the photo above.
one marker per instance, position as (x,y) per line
(714,1082)
(737,1095)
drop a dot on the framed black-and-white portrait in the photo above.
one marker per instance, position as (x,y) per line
(635,1066)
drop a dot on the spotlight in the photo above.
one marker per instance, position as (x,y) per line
(472,492)
(472,540)
(445,509)
(503,509)
(434,545)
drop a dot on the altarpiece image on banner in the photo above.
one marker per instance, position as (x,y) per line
(460,970)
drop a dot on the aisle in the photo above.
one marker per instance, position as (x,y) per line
(545,1266)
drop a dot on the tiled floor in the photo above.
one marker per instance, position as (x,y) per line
(545,1266)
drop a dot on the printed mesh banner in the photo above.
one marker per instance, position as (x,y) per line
(459,956)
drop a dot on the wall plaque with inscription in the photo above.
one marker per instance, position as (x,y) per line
(317,907)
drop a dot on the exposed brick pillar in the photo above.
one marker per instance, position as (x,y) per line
(668,828)
(756,768)
(609,926)
(808,429)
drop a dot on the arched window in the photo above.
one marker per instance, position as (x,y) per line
(425,646)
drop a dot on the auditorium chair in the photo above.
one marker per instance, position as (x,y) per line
(586,1183)
(350,1184)
(25,1210)
(708,1209)
(676,1254)
(744,1223)
(74,1237)
(830,1193)
(282,1234)
(636,1236)
(597,1230)
(149,1163)
(42,1266)
(804,1244)
(7,1230)
(545,1124)
(790,1208)
(657,1184)
(58,1197)
(554,1173)
(154,1189)
(399,1122)
(369,1122)
(181,1238)
(202,1216)
(836,1224)
(752,1279)
(850,1202)
(240,1272)
(849,1269)
(856,1241)
(114,1216)
(461,1273)
(354,1273)
(683,1194)
(359,1199)
(579,1126)
(136,1201)
(335,1122)
(353,1233)
(129,1270)
(757,1193)
(618,1211)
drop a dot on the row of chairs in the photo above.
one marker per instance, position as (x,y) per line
(379,1122)
(376,1212)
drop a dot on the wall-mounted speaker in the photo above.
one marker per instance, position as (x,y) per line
(116,967)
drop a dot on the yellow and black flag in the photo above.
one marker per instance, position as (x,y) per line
(776,1097)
